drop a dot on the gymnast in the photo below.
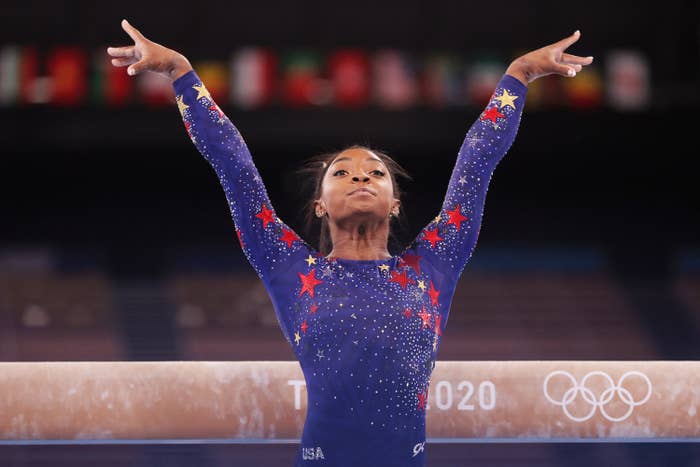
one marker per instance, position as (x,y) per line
(365,325)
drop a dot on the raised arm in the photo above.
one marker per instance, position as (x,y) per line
(449,240)
(266,241)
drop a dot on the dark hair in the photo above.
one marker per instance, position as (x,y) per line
(314,170)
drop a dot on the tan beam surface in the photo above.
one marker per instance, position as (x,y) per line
(267,400)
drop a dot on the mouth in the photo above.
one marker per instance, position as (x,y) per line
(361,190)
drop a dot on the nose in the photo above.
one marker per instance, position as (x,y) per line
(357,179)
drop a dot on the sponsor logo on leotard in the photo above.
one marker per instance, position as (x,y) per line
(418,448)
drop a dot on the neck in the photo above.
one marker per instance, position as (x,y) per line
(361,240)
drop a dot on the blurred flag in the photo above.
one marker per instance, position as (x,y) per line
(252,78)
(585,90)
(349,75)
(67,71)
(395,79)
(214,77)
(155,90)
(32,88)
(481,77)
(301,81)
(627,80)
(9,75)
(547,92)
(440,83)
(110,85)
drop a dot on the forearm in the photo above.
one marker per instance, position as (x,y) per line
(485,144)
(211,131)
(265,240)
(218,140)
(489,138)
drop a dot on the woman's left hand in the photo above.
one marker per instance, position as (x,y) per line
(548,60)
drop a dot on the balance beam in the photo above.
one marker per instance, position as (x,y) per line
(266,400)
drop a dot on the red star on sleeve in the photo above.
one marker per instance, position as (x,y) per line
(308,282)
(410,260)
(240,240)
(304,327)
(434,293)
(289,237)
(314,307)
(438,319)
(456,217)
(266,215)
(401,278)
(422,396)
(432,236)
(188,127)
(492,114)
(425,317)
(407,312)
(218,110)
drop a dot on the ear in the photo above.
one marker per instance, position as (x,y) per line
(319,208)
(396,206)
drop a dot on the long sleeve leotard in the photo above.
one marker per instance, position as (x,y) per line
(366,332)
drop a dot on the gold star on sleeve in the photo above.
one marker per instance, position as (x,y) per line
(421,285)
(506,99)
(310,260)
(384,267)
(437,218)
(201,91)
(297,337)
(181,106)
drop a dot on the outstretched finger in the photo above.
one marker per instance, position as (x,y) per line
(566,70)
(574,66)
(568,58)
(137,67)
(567,41)
(127,51)
(123,61)
(132,31)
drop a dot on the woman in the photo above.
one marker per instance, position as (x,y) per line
(365,325)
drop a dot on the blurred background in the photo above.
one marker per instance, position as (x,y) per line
(117,242)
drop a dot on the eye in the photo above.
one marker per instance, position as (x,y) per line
(379,172)
(338,171)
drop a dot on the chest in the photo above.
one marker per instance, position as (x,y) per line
(376,309)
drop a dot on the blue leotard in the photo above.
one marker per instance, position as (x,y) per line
(366,332)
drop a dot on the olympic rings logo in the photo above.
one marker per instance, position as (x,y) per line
(590,397)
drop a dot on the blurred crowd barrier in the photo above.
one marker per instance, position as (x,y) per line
(530,305)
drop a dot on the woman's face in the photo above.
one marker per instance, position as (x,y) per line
(357,184)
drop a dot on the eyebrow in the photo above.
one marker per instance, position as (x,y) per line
(370,158)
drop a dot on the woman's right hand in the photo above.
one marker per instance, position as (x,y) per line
(146,55)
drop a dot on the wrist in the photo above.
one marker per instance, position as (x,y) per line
(179,67)
(519,70)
